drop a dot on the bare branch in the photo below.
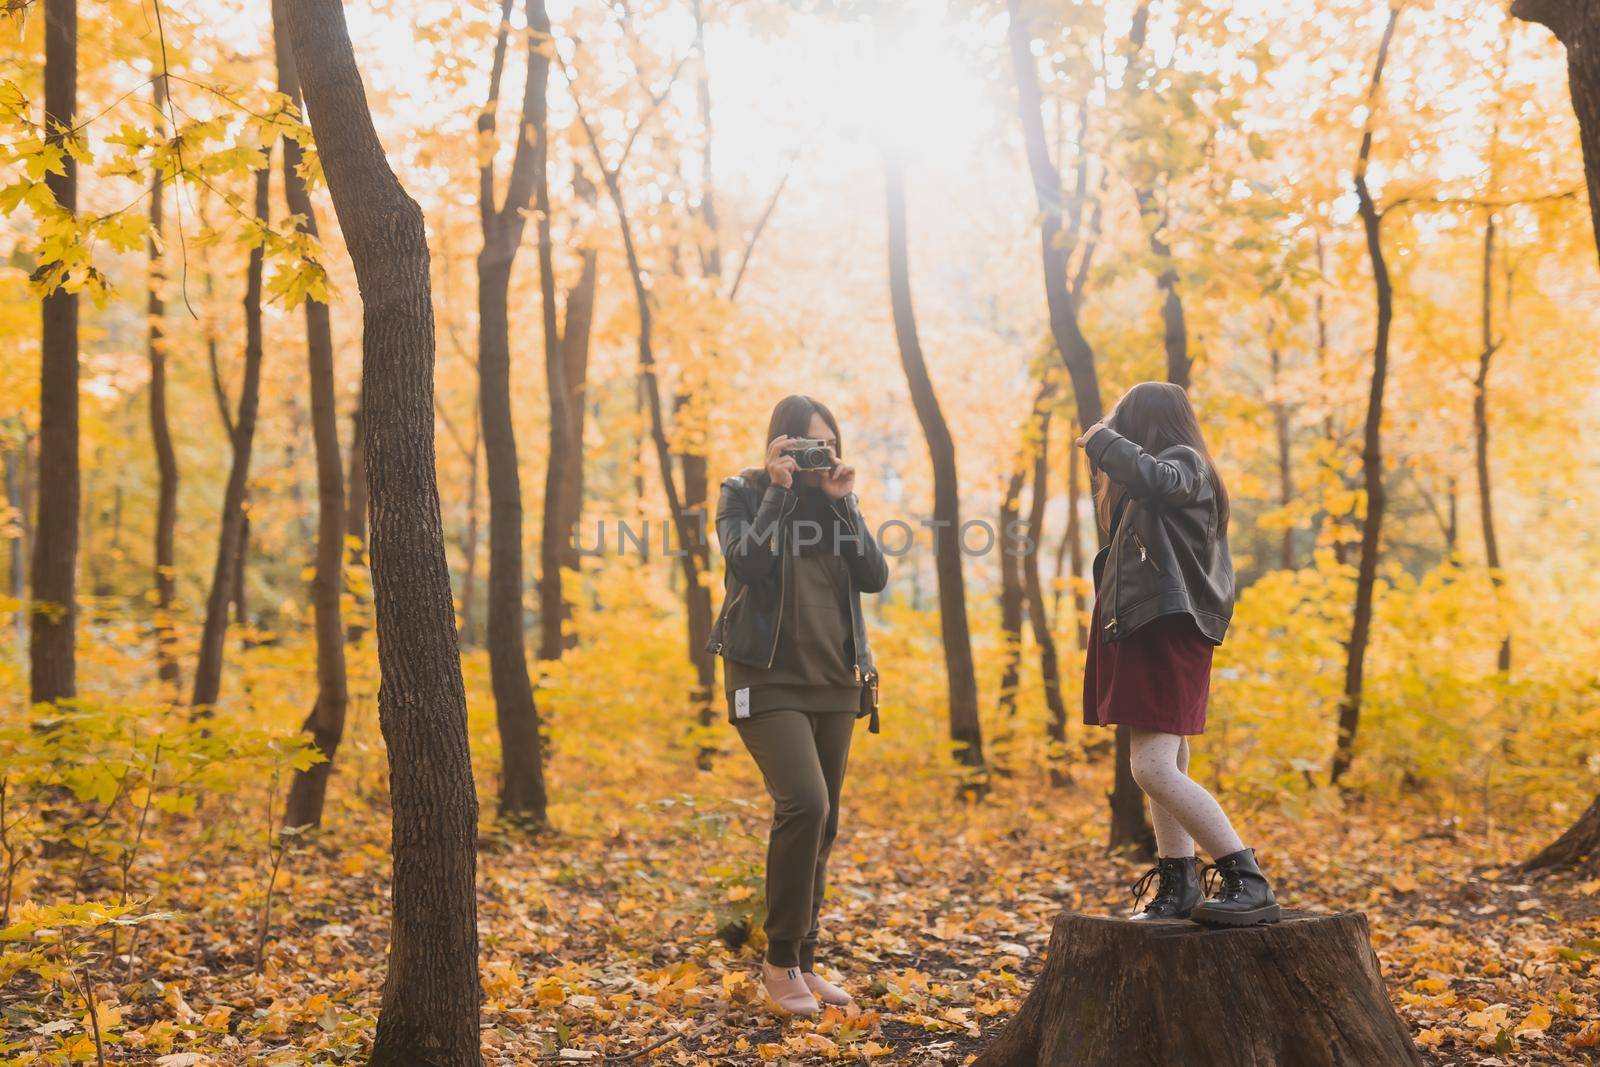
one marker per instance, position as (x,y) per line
(755,235)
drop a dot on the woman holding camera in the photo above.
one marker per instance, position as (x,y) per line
(798,670)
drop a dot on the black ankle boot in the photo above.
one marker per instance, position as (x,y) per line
(1177,892)
(1245,898)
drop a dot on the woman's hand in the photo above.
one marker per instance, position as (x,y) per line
(1083,440)
(780,468)
(839,482)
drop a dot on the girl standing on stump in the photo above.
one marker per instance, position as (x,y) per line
(1163,598)
(798,669)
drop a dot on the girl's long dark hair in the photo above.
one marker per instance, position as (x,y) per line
(792,418)
(1155,416)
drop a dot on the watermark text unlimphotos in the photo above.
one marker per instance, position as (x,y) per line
(896,537)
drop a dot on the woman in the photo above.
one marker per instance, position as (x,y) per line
(799,673)
(1163,599)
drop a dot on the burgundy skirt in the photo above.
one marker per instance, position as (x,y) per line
(1156,678)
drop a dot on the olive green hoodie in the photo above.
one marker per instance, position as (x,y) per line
(814,665)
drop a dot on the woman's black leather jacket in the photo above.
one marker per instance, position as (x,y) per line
(755,529)
(1166,554)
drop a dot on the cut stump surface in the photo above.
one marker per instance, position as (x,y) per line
(1304,992)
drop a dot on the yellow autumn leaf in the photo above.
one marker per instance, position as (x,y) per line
(1536,1021)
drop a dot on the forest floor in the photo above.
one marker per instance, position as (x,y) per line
(600,935)
(937,920)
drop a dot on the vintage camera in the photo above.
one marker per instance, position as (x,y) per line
(810,454)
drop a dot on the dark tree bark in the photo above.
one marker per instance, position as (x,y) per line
(238,596)
(575,351)
(1330,431)
(650,387)
(1174,328)
(226,586)
(1480,432)
(53,618)
(236,592)
(1011,593)
(469,543)
(1071,344)
(562,443)
(17,570)
(355,513)
(1306,992)
(1576,24)
(1130,828)
(1578,847)
(689,527)
(19,494)
(962,682)
(325,724)
(522,788)
(1153,213)
(429,1012)
(1049,662)
(160,427)
(1372,440)
(1069,550)
(696,476)
(697,596)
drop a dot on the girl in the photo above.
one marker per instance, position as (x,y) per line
(1163,598)
(798,669)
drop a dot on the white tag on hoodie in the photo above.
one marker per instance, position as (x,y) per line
(741,703)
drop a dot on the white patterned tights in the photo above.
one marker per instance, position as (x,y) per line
(1180,807)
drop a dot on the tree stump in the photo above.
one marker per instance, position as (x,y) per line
(1304,992)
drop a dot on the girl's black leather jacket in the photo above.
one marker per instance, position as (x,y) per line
(1166,554)
(754,527)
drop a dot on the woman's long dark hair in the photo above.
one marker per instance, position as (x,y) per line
(792,418)
(1155,416)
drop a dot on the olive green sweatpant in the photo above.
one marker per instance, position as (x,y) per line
(802,756)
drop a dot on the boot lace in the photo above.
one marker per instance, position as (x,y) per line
(1165,880)
(1232,881)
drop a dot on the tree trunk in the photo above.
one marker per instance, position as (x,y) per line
(17,570)
(469,545)
(962,682)
(355,513)
(575,350)
(161,429)
(1330,433)
(1174,329)
(231,534)
(1480,428)
(1305,992)
(1071,344)
(325,725)
(1579,846)
(1576,24)
(1049,665)
(1069,550)
(697,596)
(19,494)
(1372,442)
(1129,826)
(552,540)
(522,788)
(241,606)
(53,617)
(1011,594)
(649,395)
(696,477)
(429,1011)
